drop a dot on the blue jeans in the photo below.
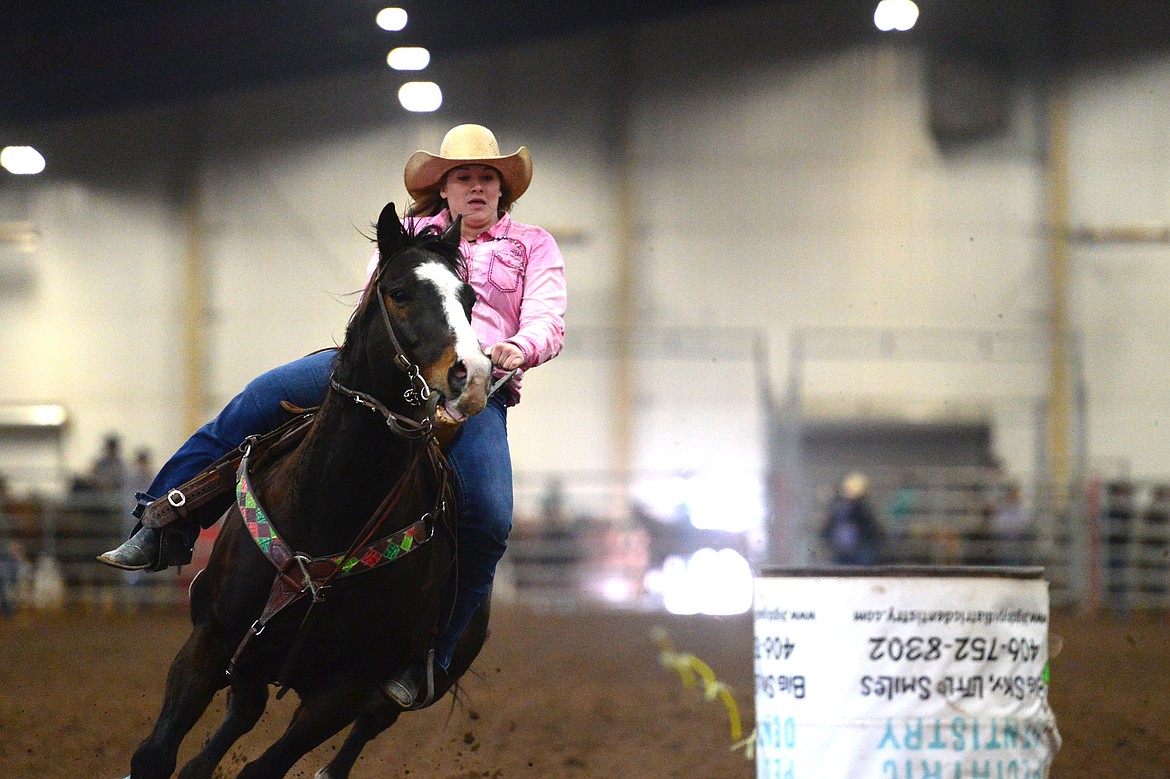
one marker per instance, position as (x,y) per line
(479,457)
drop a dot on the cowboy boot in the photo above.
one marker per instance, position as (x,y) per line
(151,549)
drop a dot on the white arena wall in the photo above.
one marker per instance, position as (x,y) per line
(777,192)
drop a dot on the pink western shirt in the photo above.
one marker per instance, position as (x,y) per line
(518,276)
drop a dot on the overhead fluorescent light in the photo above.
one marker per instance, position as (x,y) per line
(408,58)
(391,19)
(420,96)
(21,160)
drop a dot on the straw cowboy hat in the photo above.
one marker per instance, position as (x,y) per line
(468,144)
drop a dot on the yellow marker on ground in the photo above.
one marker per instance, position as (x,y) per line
(687,666)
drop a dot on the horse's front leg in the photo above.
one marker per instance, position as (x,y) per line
(246,703)
(196,674)
(320,716)
(377,716)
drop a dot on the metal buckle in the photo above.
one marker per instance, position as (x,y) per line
(419,391)
(176,498)
(310,585)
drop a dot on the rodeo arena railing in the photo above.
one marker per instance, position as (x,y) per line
(47,551)
(1108,547)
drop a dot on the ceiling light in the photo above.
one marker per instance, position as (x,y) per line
(420,96)
(22,160)
(392,19)
(895,15)
(408,58)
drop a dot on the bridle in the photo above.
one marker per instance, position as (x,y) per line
(418,394)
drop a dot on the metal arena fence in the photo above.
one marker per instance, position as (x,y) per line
(1108,547)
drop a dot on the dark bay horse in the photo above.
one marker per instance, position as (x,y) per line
(367,468)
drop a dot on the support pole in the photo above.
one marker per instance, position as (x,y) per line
(1059,378)
(193,292)
(625,270)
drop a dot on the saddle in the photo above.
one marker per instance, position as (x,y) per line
(224,483)
(208,495)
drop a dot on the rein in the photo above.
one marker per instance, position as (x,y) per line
(404,426)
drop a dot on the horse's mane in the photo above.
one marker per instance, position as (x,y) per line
(429,239)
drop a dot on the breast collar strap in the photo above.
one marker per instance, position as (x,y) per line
(299,574)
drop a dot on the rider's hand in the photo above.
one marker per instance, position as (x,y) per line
(506,355)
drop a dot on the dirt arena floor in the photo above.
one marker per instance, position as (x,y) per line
(556,695)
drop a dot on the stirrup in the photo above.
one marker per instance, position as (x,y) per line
(430,677)
(398,689)
(172,550)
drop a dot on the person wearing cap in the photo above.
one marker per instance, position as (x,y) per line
(852,531)
(517,273)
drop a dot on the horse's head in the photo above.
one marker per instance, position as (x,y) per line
(427,307)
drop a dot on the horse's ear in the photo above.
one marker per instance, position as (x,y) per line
(391,236)
(454,232)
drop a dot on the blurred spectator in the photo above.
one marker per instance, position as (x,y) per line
(982,540)
(992,490)
(852,531)
(1010,527)
(903,504)
(552,503)
(905,515)
(108,473)
(143,473)
(9,566)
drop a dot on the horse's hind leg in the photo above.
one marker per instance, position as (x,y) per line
(246,703)
(196,674)
(316,719)
(378,715)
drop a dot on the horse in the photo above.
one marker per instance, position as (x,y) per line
(274,604)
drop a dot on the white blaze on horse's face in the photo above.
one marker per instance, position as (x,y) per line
(465,383)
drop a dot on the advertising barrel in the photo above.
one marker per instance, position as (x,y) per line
(915,672)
